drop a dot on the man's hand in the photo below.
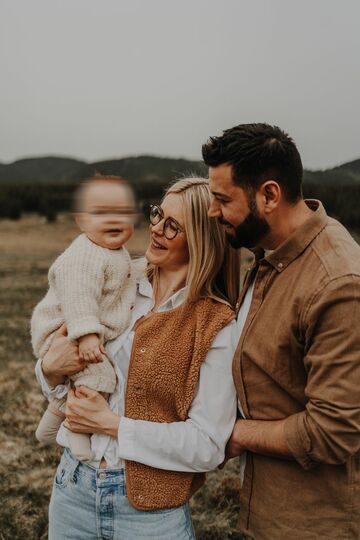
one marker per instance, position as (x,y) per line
(90,348)
(234,447)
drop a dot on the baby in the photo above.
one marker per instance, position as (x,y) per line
(91,290)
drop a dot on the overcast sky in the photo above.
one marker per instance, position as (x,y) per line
(95,79)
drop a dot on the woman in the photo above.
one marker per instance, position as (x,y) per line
(175,404)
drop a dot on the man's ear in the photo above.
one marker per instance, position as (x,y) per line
(271,195)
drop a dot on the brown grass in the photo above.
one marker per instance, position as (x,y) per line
(27,248)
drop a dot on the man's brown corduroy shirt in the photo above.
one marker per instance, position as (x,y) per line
(299,358)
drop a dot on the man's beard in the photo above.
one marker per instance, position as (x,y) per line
(251,231)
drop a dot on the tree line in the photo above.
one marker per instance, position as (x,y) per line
(341,201)
(52,198)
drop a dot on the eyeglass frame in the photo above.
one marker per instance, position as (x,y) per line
(167,220)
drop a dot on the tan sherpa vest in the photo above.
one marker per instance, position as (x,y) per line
(168,350)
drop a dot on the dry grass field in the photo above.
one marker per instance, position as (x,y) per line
(27,248)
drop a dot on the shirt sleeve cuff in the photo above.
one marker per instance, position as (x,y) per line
(298,440)
(126,439)
(58,391)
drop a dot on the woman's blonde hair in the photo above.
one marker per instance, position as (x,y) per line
(214,267)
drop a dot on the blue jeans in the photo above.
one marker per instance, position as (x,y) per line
(91,504)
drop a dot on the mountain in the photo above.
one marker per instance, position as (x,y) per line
(348,173)
(45,185)
(41,169)
(141,169)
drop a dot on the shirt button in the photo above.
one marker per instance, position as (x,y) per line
(142,350)
(280,265)
(102,476)
(132,306)
(129,275)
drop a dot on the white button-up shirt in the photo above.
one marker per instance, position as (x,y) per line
(194,445)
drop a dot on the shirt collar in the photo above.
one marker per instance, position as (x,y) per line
(174,301)
(145,289)
(289,250)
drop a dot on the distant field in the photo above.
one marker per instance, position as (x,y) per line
(27,248)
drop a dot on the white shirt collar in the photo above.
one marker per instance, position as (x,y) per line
(174,301)
(145,289)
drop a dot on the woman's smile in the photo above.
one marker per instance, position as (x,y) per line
(156,245)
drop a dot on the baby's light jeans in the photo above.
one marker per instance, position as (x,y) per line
(91,504)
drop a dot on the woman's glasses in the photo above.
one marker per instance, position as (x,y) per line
(170,228)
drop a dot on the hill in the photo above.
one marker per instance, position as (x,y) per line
(41,169)
(45,185)
(138,169)
(141,169)
(348,173)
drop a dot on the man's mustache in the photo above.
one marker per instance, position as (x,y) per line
(224,222)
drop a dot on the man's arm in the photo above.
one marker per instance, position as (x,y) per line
(259,436)
(328,430)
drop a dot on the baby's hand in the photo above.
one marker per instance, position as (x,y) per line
(90,348)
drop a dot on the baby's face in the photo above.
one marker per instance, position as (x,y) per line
(107,216)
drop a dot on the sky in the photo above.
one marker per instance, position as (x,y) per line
(99,79)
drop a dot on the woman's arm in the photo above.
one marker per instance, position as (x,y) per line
(198,444)
(61,361)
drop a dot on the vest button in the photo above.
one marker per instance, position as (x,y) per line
(280,265)
(140,497)
(142,350)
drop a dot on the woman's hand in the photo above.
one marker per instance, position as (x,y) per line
(88,412)
(62,359)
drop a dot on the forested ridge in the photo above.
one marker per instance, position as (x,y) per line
(45,184)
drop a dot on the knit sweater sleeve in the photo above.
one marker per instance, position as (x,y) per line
(79,278)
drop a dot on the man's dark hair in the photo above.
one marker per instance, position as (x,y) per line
(258,152)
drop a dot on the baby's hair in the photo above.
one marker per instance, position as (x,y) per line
(99,179)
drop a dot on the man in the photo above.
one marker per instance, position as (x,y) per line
(297,364)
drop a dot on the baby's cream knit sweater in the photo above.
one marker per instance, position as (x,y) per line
(92,289)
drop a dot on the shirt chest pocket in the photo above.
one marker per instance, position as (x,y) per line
(272,350)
